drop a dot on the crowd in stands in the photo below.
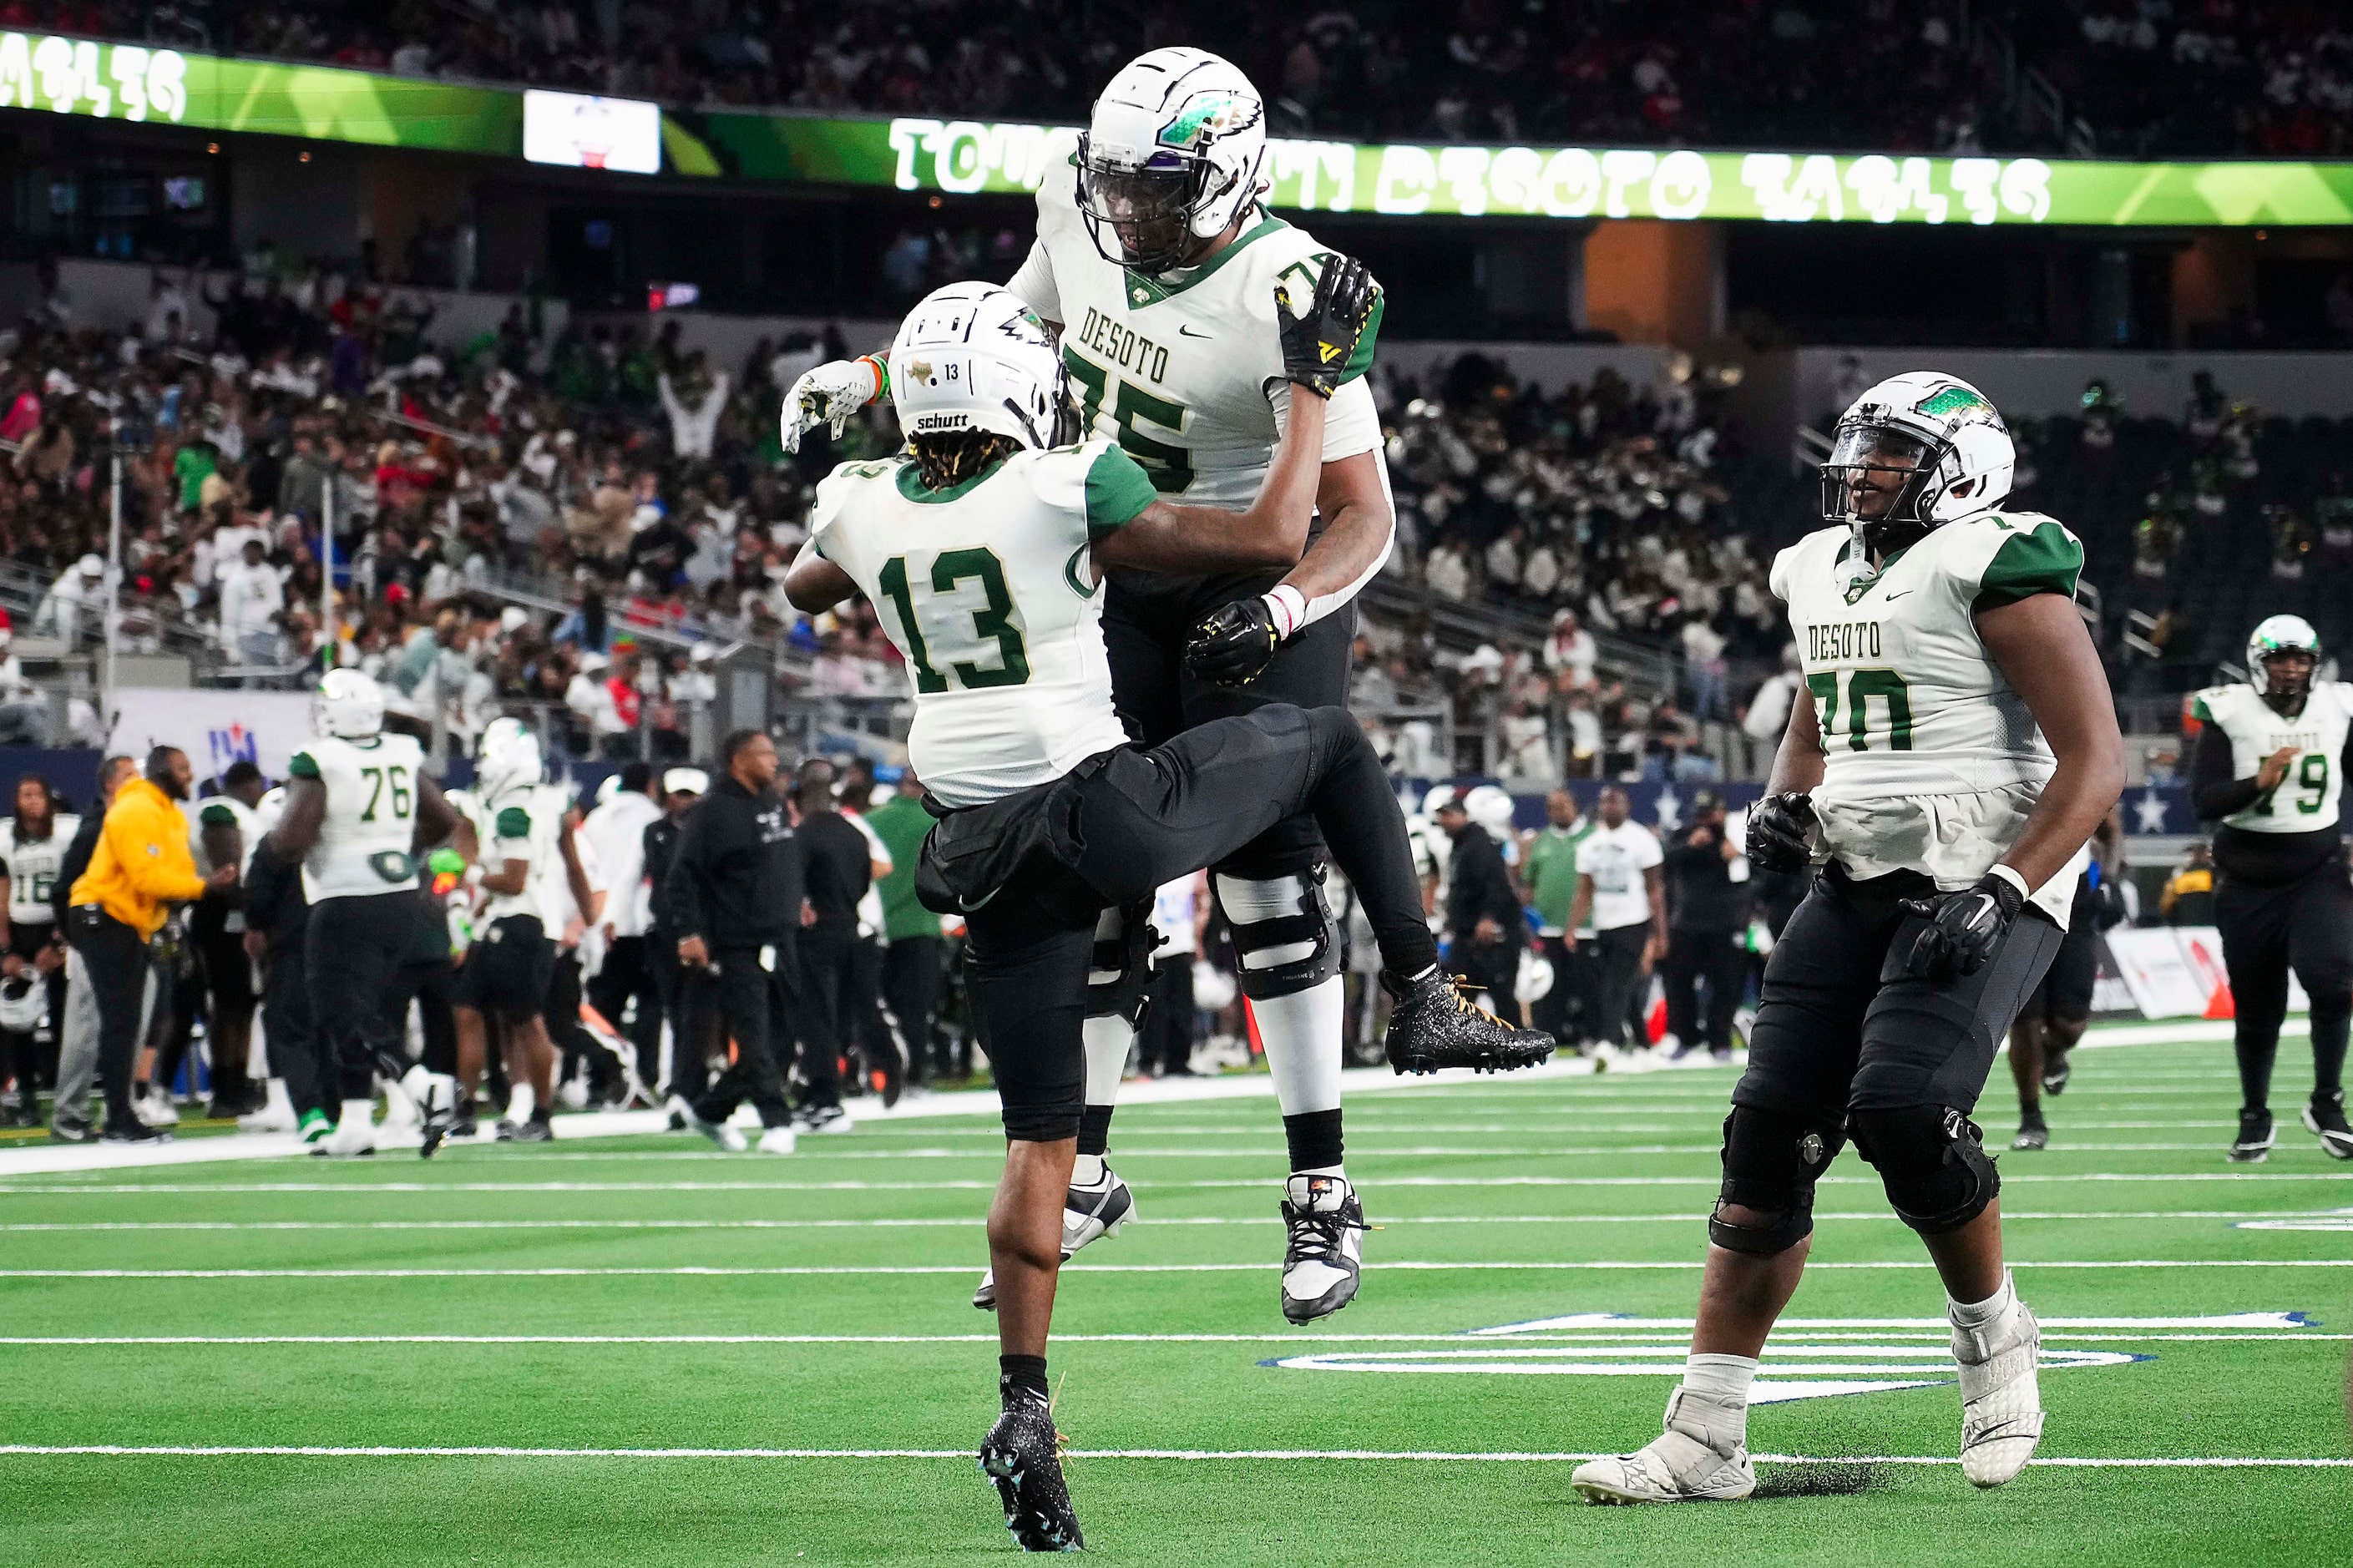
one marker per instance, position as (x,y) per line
(2159,79)
(2155,76)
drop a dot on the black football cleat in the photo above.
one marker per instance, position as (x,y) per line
(2033,1133)
(2056,1071)
(1434,1024)
(2325,1118)
(1020,1455)
(2256,1136)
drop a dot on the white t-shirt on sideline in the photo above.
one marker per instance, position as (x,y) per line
(1615,859)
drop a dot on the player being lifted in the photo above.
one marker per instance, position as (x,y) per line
(1156,263)
(2271,759)
(982,549)
(359,811)
(1947,665)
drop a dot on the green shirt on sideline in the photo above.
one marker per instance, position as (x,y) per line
(1550,868)
(901,823)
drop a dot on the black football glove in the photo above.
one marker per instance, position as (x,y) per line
(1963,929)
(1234,642)
(1317,347)
(1778,826)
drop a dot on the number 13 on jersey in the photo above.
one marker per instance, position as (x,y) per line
(949,625)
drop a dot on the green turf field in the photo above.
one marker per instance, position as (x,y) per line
(800,1329)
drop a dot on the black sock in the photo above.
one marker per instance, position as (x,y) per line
(1315,1138)
(2255,1072)
(1094,1129)
(2329,1028)
(1021,1377)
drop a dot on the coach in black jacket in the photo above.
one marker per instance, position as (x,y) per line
(1482,911)
(734,895)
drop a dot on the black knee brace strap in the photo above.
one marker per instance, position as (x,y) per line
(1315,925)
(1932,1160)
(1771,1161)
(1127,959)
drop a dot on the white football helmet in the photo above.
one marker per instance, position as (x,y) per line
(2280,634)
(1939,432)
(1175,151)
(348,706)
(971,356)
(24,1003)
(506,758)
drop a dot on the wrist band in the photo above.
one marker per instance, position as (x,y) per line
(882,376)
(1288,605)
(2009,874)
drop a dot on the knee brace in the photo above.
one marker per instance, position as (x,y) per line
(1932,1160)
(1119,970)
(1771,1161)
(1285,941)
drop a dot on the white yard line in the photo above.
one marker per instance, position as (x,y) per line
(1296,1339)
(883,1270)
(1194,1455)
(958,1221)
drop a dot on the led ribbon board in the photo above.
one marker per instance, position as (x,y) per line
(144,85)
(965,157)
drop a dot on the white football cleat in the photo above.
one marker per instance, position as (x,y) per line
(1089,1213)
(154,1108)
(2001,1407)
(1701,1456)
(1320,1259)
(776,1141)
(355,1134)
(276,1115)
(728,1138)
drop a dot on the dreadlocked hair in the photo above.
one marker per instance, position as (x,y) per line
(952,458)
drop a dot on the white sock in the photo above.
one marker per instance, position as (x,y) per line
(1301,1034)
(1722,1378)
(1977,1314)
(1087,1171)
(357,1113)
(1339,1171)
(521,1103)
(1108,1040)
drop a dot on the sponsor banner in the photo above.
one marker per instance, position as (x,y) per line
(2176,971)
(214,728)
(968,156)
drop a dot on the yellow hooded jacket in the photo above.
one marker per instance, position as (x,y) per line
(141,861)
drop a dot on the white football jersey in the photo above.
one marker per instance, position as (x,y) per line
(987,589)
(2306,800)
(1185,370)
(371,821)
(32,865)
(1932,760)
(523,823)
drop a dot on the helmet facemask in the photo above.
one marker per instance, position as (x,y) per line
(1143,217)
(2284,675)
(1878,480)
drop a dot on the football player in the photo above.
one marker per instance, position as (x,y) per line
(359,812)
(983,550)
(2270,763)
(32,956)
(1156,262)
(1960,748)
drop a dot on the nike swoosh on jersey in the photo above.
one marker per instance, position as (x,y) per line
(1184,332)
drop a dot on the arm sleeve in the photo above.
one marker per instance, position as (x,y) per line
(1117,489)
(2214,790)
